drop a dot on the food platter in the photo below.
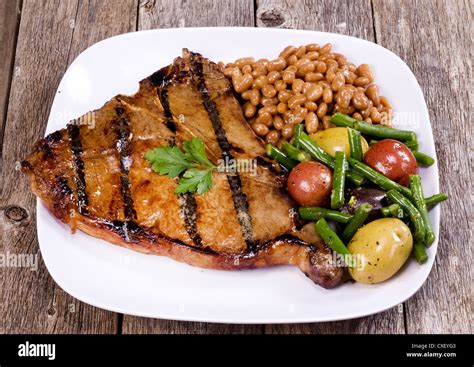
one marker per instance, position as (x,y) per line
(120,280)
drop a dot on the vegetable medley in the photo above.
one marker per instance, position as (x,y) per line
(371,191)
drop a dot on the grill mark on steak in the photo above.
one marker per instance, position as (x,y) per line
(188,210)
(187,201)
(64,195)
(124,137)
(64,186)
(238,196)
(163,96)
(79,177)
(160,78)
(132,232)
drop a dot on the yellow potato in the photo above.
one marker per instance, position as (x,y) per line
(381,248)
(336,139)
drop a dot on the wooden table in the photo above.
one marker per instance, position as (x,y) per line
(41,38)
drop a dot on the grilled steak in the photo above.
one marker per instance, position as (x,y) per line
(97,180)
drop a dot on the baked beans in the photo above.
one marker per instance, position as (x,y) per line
(307,83)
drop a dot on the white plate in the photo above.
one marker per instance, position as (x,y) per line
(124,281)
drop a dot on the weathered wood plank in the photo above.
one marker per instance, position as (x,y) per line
(200,13)
(31,301)
(9,20)
(353,18)
(100,19)
(388,322)
(140,325)
(27,296)
(435,39)
(182,13)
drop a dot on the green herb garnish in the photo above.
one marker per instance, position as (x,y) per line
(195,180)
(191,162)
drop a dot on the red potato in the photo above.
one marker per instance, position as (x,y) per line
(310,184)
(392,159)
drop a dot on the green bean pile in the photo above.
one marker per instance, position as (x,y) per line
(407,203)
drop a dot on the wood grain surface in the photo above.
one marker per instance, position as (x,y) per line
(441,58)
(52,33)
(202,13)
(31,301)
(9,20)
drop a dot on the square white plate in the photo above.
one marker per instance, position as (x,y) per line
(124,281)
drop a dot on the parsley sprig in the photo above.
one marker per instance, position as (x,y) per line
(191,163)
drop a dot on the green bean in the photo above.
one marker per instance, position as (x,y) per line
(342,120)
(296,154)
(419,251)
(316,213)
(355,144)
(418,198)
(435,199)
(296,133)
(423,159)
(330,237)
(411,144)
(379,131)
(357,221)
(280,157)
(386,212)
(376,177)
(321,156)
(384,132)
(339,180)
(396,211)
(415,216)
(355,178)
(393,210)
(315,150)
